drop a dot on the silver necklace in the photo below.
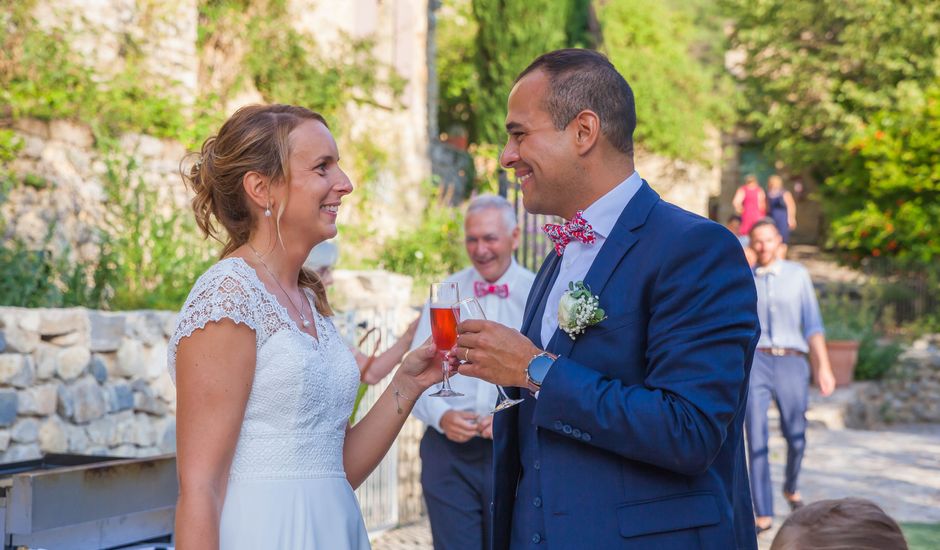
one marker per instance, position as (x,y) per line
(303,318)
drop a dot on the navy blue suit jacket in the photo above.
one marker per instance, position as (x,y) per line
(639,421)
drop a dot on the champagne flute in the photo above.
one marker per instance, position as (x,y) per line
(444,330)
(470,309)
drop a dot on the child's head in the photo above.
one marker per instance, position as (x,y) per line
(839,524)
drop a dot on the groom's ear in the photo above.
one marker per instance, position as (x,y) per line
(587,127)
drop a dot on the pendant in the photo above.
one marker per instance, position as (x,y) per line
(306,323)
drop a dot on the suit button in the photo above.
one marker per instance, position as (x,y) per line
(566,429)
(558,424)
(576,433)
(537,465)
(585,437)
(537,502)
(536,538)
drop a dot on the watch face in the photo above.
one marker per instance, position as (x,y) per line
(538,368)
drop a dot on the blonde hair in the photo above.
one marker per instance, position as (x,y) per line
(254,139)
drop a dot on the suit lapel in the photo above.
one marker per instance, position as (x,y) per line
(543,282)
(618,243)
(535,304)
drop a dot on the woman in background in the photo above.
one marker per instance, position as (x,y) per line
(782,209)
(750,203)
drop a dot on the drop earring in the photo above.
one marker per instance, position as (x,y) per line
(267,211)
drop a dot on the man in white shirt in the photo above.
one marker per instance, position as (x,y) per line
(457,449)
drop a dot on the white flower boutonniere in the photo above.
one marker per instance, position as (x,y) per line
(578,309)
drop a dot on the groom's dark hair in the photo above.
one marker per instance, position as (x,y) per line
(584,79)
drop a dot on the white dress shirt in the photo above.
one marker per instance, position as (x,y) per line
(479,396)
(578,257)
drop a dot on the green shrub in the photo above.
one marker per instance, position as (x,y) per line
(885,201)
(10,145)
(876,356)
(859,313)
(42,77)
(152,251)
(432,249)
(39,278)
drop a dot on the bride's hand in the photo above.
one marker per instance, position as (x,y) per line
(421,367)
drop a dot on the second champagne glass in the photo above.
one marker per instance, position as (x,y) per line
(444,329)
(471,309)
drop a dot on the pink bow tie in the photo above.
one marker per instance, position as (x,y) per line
(575,229)
(481,289)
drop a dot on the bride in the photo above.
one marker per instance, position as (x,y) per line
(265,385)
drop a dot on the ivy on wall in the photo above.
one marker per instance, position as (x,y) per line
(42,77)
(147,258)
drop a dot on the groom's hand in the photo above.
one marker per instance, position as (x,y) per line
(493,352)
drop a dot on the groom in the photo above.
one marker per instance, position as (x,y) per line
(630,432)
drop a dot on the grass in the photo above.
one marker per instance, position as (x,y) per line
(921,536)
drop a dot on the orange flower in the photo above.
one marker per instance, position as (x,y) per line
(879,135)
(875,252)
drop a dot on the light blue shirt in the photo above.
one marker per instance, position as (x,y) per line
(787,306)
(578,257)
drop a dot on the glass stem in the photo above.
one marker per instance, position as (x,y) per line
(445,372)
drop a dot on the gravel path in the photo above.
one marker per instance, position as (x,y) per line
(898,468)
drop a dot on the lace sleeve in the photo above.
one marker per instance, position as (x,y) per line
(215,296)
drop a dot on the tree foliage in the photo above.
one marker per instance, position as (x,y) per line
(847,92)
(885,198)
(671,53)
(679,94)
(816,70)
(509,36)
(430,250)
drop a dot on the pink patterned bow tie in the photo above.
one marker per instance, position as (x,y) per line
(481,289)
(575,229)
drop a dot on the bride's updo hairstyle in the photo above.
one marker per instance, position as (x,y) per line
(254,139)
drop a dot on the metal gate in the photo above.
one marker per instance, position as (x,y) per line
(378,495)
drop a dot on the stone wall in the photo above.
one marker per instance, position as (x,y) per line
(87,382)
(163,34)
(399,30)
(688,185)
(163,38)
(61,154)
(90,382)
(910,394)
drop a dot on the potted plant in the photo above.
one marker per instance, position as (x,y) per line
(844,318)
(843,356)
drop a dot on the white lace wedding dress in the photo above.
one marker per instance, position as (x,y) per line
(287,488)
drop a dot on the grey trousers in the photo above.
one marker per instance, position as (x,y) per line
(786,381)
